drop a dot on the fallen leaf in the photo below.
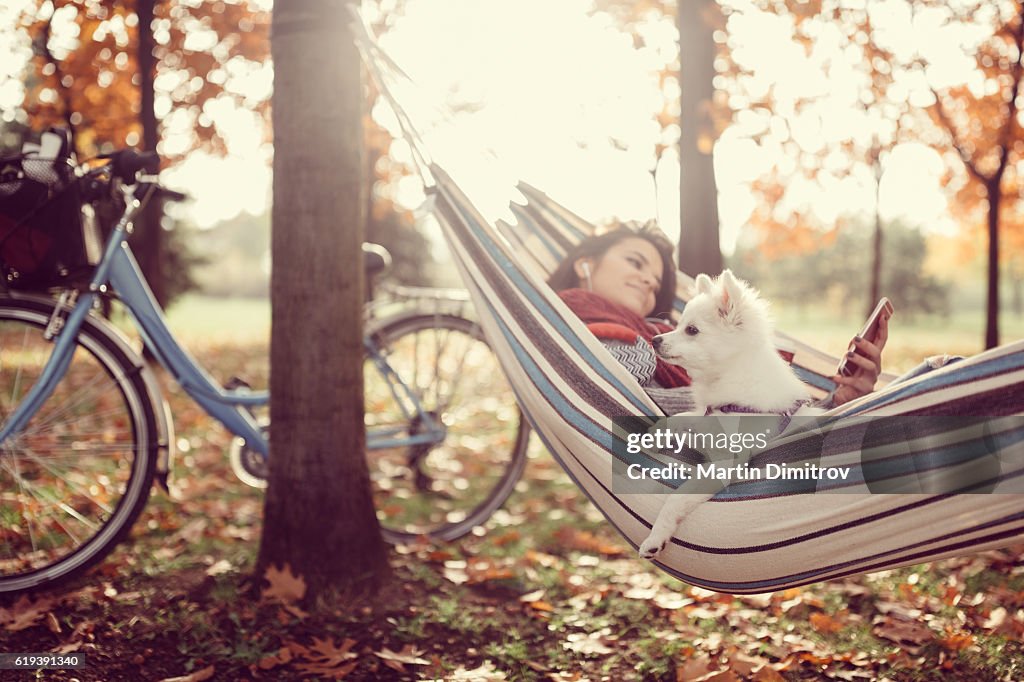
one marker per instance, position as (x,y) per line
(532,596)
(505,538)
(720,676)
(24,613)
(909,634)
(326,658)
(334,673)
(586,541)
(222,566)
(824,623)
(767,674)
(957,641)
(68,648)
(692,668)
(587,644)
(285,586)
(326,652)
(746,665)
(197,676)
(486,671)
(995,619)
(192,532)
(455,575)
(397,660)
(284,655)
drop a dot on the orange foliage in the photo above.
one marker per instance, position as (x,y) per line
(982,125)
(90,80)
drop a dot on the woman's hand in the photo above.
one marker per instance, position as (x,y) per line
(866,362)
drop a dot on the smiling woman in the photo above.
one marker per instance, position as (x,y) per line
(631,267)
(615,282)
(622,284)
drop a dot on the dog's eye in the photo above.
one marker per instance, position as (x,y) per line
(691,330)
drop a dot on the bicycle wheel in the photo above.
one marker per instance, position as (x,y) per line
(440,489)
(74,480)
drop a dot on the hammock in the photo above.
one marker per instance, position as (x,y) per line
(571,389)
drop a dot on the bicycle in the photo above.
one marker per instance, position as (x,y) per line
(85,429)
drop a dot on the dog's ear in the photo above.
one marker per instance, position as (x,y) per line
(732,291)
(703,284)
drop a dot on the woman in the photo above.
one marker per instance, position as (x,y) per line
(616,281)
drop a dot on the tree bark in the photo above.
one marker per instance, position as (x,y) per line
(699,249)
(148,240)
(319,515)
(992,303)
(1017,287)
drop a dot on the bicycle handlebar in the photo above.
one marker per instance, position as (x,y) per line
(127,163)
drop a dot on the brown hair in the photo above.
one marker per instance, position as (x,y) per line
(565,277)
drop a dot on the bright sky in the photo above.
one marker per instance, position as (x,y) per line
(564,101)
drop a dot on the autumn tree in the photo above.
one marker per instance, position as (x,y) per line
(319,515)
(980,122)
(145,73)
(690,118)
(699,249)
(835,122)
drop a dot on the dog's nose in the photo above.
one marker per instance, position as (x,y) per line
(656,342)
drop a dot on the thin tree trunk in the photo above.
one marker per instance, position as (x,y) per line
(699,249)
(992,302)
(1017,287)
(148,239)
(319,516)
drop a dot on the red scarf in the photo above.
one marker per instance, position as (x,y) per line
(610,321)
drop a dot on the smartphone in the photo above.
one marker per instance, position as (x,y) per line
(868,331)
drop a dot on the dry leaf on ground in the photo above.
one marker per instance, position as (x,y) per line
(24,613)
(909,634)
(397,660)
(197,676)
(284,586)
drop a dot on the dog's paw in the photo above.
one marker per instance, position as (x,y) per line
(652,547)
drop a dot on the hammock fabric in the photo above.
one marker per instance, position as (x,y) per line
(571,388)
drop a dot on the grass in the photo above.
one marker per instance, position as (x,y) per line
(198,319)
(176,598)
(155,608)
(911,338)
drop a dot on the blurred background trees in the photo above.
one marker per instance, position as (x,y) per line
(148,74)
(826,114)
(88,72)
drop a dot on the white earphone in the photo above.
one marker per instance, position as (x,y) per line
(586,273)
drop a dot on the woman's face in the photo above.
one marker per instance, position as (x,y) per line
(629,274)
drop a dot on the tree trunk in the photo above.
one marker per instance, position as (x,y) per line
(147,242)
(699,250)
(319,515)
(1017,287)
(992,302)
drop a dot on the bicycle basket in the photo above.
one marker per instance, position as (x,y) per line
(41,232)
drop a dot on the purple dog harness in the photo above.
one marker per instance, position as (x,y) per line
(785,417)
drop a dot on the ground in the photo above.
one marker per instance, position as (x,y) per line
(545,591)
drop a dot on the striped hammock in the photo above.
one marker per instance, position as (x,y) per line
(571,389)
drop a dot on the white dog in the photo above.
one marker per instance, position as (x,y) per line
(724,340)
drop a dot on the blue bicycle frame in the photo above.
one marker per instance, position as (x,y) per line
(119,269)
